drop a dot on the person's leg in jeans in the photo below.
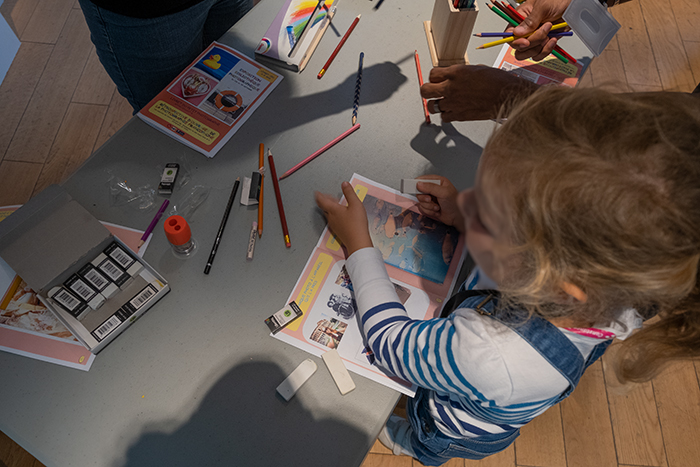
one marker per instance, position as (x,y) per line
(222,15)
(142,56)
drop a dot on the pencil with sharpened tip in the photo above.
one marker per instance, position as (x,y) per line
(153,223)
(325,148)
(278,196)
(520,18)
(337,49)
(420,83)
(261,164)
(506,40)
(514,18)
(215,247)
(358,83)
(508,34)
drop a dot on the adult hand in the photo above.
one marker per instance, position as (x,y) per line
(440,201)
(539,15)
(348,223)
(472,92)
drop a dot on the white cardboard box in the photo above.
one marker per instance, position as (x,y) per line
(51,238)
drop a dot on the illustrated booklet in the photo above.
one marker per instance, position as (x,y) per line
(288,41)
(29,328)
(209,101)
(422,256)
(551,70)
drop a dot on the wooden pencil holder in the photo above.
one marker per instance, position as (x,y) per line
(448,33)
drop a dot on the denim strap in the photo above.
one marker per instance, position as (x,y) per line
(542,335)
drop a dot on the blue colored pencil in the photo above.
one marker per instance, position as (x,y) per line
(508,34)
(358,84)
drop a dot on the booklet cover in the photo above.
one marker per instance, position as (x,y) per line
(209,101)
(286,31)
(422,256)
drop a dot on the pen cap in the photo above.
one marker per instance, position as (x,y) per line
(177,230)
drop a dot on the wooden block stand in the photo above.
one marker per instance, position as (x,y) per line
(448,33)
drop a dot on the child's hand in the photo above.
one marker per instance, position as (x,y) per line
(440,201)
(348,223)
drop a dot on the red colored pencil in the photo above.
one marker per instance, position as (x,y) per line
(278,195)
(340,44)
(514,13)
(420,82)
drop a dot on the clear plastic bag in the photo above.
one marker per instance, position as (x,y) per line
(186,206)
(121,193)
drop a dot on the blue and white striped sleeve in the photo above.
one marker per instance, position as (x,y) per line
(421,352)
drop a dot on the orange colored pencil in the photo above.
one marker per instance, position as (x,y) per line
(420,82)
(261,164)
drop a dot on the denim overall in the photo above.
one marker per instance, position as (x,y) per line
(430,446)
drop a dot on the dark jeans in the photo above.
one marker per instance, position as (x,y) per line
(142,56)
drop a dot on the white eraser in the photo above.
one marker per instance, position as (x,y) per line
(298,377)
(338,371)
(408,185)
(110,290)
(245,191)
(135,269)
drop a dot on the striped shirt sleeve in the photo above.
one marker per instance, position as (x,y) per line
(424,352)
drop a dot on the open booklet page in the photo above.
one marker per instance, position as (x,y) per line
(422,256)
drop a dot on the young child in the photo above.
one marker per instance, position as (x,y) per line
(585,215)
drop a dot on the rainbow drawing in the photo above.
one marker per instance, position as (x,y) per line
(299,16)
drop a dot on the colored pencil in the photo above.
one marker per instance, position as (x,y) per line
(153,223)
(307,26)
(337,49)
(358,83)
(517,17)
(420,83)
(261,164)
(215,247)
(506,40)
(325,148)
(508,34)
(557,48)
(278,195)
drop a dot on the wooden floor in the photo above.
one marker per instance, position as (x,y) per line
(58,106)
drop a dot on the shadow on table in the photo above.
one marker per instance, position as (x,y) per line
(451,154)
(242,421)
(379,83)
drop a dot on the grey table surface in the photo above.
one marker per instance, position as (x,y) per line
(193,381)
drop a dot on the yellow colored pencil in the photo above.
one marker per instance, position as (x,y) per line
(505,40)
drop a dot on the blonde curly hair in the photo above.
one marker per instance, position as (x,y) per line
(603,191)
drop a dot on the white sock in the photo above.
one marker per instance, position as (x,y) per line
(396,435)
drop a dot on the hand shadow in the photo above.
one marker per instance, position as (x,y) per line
(242,421)
(450,153)
(379,83)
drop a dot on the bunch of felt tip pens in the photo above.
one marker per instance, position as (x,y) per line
(463,4)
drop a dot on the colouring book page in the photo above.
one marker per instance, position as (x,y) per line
(423,257)
(551,70)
